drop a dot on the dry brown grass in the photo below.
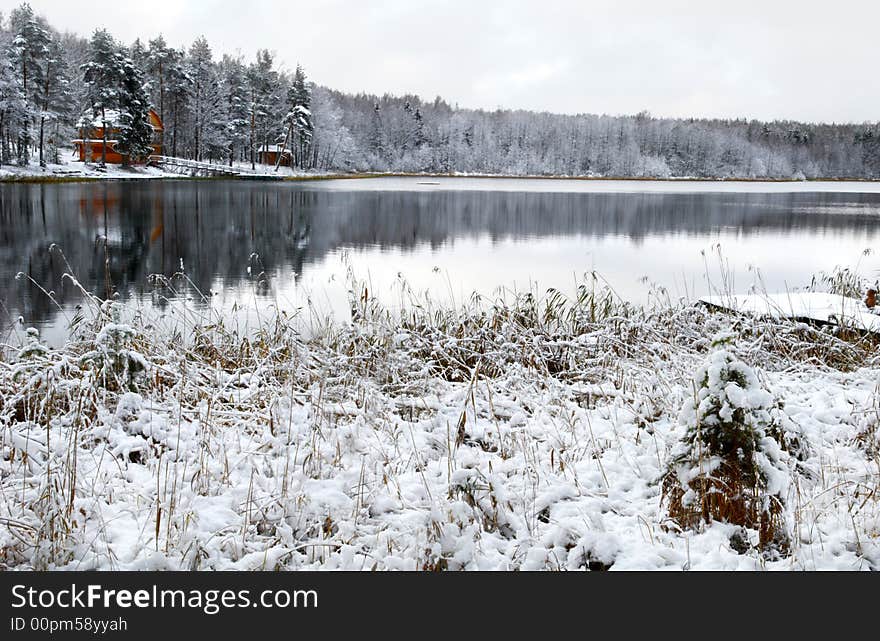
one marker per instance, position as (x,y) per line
(731,494)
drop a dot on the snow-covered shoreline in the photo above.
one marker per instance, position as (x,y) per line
(529,435)
(77,171)
(596,184)
(74,171)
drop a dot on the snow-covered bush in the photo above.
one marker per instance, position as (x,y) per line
(113,360)
(32,347)
(730,465)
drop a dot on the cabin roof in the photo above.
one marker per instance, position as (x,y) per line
(273,149)
(112,118)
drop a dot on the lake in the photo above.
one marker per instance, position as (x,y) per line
(249,248)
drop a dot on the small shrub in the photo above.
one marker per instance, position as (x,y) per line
(115,363)
(730,465)
(33,347)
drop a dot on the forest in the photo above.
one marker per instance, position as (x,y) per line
(222,108)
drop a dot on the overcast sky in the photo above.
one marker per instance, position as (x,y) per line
(801,59)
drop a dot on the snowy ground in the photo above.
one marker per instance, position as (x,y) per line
(77,169)
(74,169)
(521,436)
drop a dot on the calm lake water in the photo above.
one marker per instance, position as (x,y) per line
(254,247)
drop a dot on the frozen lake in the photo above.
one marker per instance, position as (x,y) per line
(252,247)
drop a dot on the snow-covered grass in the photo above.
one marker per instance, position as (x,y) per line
(522,433)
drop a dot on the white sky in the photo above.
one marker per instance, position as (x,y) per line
(804,59)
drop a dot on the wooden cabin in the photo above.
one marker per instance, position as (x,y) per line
(268,155)
(92,136)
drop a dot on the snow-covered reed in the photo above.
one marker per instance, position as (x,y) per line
(527,432)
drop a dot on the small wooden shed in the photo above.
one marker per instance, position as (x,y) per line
(268,155)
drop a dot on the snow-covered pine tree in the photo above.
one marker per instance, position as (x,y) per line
(376,133)
(731,464)
(215,134)
(13,109)
(135,132)
(204,95)
(159,54)
(138,54)
(104,75)
(263,85)
(30,47)
(299,118)
(235,95)
(418,133)
(178,92)
(57,100)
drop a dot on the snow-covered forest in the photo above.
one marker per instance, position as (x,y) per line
(219,107)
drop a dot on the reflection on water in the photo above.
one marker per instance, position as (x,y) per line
(114,235)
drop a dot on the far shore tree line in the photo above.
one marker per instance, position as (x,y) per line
(225,108)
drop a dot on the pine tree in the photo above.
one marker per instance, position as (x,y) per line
(117,95)
(159,55)
(104,75)
(418,134)
(204,91)
(138,54)
(135,132)
(178,87)
(263,85)
(13,108)
(30,48)
(731,462)
(235,96)
(57,100)
(376,134)
(298,120)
